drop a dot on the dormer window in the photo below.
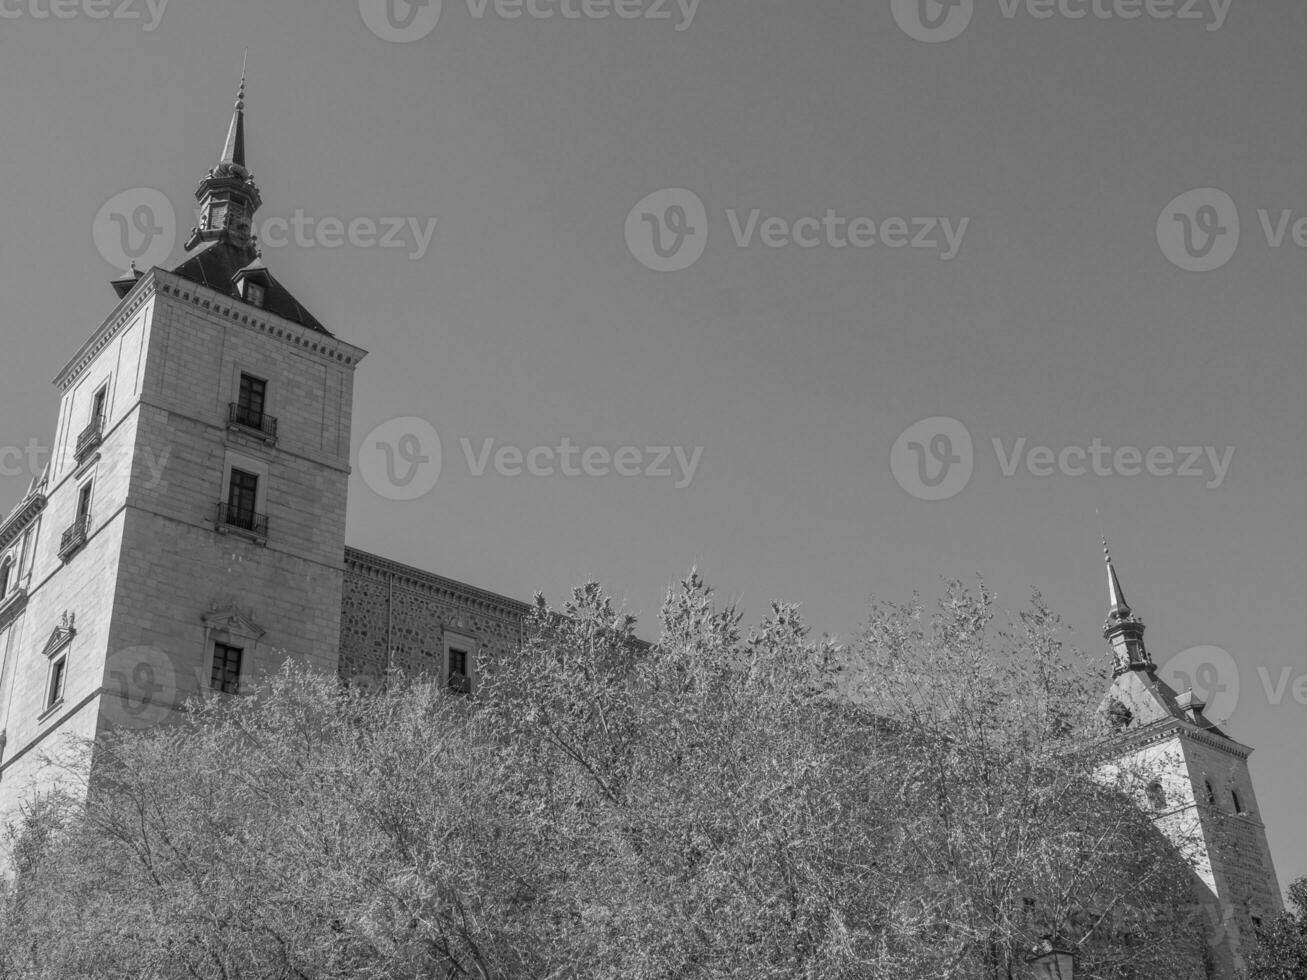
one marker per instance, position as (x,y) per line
(253,293)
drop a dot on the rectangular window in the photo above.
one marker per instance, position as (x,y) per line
(458,676)
(242,498)
(58,673)
(226,676)
(253,395)
(98,405)
(253,293)
(84,502)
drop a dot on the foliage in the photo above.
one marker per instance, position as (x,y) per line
(1281,952)
(923,803)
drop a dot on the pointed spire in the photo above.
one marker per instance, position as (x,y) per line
(233,151)
(228,196)
(1123,629)
(1118,608)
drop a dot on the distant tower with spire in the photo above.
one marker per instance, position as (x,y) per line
(1193,779)
(188,534)
(1122,628)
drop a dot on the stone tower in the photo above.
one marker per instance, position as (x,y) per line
(188,533)
(1195,783)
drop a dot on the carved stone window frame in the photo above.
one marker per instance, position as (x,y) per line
(467,642)
(56,651)
(229,625)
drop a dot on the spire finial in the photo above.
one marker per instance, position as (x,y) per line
(1118,608)
(240,96)
(233,150)
(1122,628)
(228,196)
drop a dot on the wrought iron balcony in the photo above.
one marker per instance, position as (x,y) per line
(244,417)
(232,517)
(74,537)
(90,438)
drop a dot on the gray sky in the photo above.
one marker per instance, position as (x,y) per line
(528,318)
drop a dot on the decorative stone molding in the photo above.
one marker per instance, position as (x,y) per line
(21,519)
(62,636)
(223,622)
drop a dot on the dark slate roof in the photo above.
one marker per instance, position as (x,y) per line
(215,265)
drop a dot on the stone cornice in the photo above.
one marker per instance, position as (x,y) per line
(22,517)
(110,328)
(454,591)
(11,605)
(1176,728)
(324,346)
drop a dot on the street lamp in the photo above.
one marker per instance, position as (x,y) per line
(1052,960)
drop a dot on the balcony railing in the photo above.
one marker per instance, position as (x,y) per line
(244,417)
(74,537)
(90,438)
(232,517)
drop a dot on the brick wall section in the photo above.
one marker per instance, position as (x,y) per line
(391,607)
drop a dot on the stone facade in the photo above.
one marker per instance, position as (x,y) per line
(394,617)
(1193,779)
(162,575)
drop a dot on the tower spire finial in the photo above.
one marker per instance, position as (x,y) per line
(228,196)
(1123,629)
(1118,608)
(233,150)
